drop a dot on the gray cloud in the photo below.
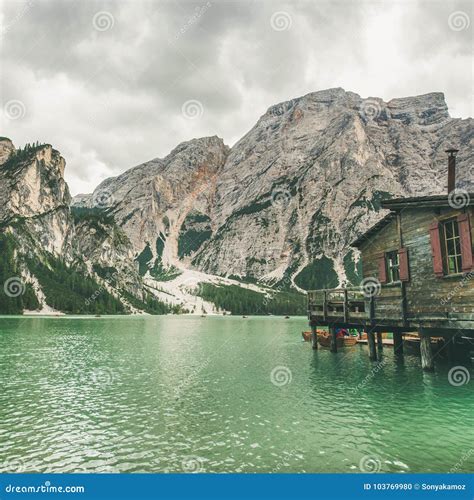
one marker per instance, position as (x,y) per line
(110,99)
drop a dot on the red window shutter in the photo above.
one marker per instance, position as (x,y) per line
(436,249)
(466,242)
(403,260)
(382,269)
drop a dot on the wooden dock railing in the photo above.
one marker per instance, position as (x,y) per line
(353,305)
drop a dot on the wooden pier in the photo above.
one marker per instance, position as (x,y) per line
(418,277)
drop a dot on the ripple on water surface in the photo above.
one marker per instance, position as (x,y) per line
(188,394)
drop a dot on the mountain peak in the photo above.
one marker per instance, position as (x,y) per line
(6,149)
(426,109)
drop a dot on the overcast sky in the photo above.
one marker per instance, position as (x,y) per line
(113,84)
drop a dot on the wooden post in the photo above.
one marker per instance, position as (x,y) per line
(333,333)
(426,353)
(372,309)
(371,342)
(451,348)
(398,344)
(325,306)
(346,307)
(314,337)
(379,343)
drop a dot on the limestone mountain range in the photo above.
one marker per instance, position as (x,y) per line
(276,210)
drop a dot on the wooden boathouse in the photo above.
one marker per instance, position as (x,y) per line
(418,276)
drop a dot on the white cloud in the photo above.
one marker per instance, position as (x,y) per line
(111,99)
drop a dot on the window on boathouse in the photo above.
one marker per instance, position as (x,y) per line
(451,247)
(392,263)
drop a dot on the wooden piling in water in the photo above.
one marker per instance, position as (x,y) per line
(314,336)
(372,348)
(379,343)
(426,353)
(333,334)
(398,344)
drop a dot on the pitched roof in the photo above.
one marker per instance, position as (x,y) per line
(374,229)
(461,198)
(458,198)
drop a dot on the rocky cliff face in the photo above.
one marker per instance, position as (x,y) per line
(279,208)
(309,178)
(35,212)
(285,202)
(34,194)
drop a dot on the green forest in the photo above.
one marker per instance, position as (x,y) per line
(26,298)
(244,301)
(69,291)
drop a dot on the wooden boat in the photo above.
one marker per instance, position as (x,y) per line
(306,336)
(325,341)
(350,341)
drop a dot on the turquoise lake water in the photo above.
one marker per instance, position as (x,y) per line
(218,394)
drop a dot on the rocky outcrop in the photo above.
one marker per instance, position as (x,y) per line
(280,207)
(6,149)
(285,202)
(309,178)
